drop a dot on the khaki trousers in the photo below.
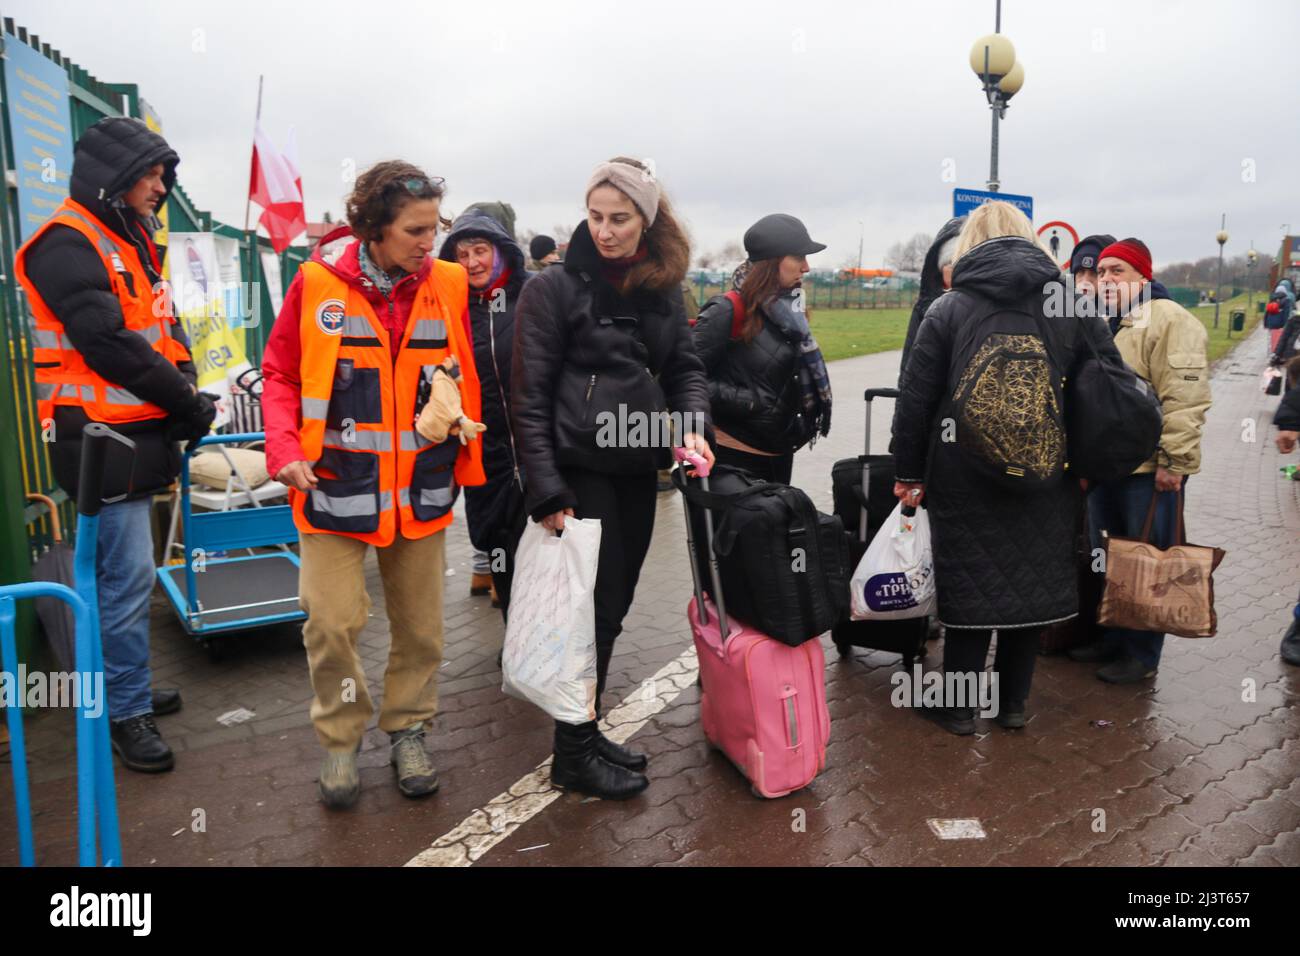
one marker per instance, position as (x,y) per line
(332,590)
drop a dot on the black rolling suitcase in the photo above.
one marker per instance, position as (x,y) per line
(863,492)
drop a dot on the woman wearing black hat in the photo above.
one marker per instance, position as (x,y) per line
(768,386)
(604,336)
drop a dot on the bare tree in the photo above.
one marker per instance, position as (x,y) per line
(909,254)
(706,260)
(731,253)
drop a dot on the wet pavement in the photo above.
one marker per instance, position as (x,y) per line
(1199,766)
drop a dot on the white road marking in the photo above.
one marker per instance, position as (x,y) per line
(483,829)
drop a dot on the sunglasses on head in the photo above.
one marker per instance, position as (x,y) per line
(419,185)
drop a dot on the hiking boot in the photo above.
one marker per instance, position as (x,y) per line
(1095,652)
(480,584)
(619,755)
(1126,670)
(339,782)
(137,741)
(1291,643)
(415,774)
(1011,715)
(955,720)
(166,701)
(578,765)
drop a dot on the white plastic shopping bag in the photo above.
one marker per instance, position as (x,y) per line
(550,651)
(895,578)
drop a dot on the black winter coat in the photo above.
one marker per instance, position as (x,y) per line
(931,285)
(493,505)
(753,386)
(66,270)
(1002,558)
(1287,417)
(581,351)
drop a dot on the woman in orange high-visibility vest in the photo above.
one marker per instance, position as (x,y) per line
(347,369)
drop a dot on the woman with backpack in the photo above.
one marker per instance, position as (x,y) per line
(979,438)
(603,336)
(768,386)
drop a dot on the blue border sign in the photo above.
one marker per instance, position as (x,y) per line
(965,201)
(40,127)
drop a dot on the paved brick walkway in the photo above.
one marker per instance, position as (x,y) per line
(1191,770)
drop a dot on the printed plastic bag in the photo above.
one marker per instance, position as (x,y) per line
(894,580)
(550,650)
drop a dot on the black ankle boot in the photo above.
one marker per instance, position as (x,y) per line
(619,755)
(578,765)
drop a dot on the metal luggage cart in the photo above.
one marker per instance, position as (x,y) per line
(214,595)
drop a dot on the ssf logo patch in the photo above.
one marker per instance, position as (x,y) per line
(329,316)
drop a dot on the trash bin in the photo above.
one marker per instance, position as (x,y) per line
(1238,320)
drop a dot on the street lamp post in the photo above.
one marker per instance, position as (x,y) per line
(993,58)
(1251,258)
(1221,237)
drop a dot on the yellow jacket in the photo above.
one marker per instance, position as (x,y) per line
(1165,344)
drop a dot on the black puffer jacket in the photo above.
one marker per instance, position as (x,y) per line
(492,325)
(1002,558)
(931,284)
(582,349)
(1287,417)
(753,386)
(66,270)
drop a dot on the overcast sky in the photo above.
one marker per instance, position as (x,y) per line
(1137,117)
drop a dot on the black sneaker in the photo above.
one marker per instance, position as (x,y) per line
(137,741)
(1096,652)
(166,701)
(1291,643)
(1011,715)
(1127,670)
(955,720)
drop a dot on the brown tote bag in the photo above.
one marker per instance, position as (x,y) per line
(1168,591)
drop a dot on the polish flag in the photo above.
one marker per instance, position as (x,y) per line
(276,185)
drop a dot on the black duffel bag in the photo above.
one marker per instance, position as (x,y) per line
(1113,418)
(784,565)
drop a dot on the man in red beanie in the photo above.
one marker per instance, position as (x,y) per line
(1165,344)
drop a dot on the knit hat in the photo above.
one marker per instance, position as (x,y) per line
(541,247)
(639,185)
(1132,251)
(1088,251)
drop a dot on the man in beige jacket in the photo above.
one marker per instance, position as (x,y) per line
(1166,345)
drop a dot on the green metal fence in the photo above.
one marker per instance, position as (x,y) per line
(821,293)
(25,529)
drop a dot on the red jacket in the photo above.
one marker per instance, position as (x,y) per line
(281,400)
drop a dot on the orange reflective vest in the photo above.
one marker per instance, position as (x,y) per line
(376,474)
(62,375)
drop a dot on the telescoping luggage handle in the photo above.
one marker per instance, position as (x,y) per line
(868,396)
(701,467)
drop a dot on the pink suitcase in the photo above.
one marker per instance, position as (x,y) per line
(762,703)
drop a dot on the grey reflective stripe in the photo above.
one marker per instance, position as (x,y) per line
(45,391)
(120,396)
(360,440)
(348,506)
(386,501)
(70,391)
(413,441)
(436,497)
(429,329)
(315,408)
(105,244)
(87,393)
(151,333)
(357,326)
(404,497)
(46,339)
